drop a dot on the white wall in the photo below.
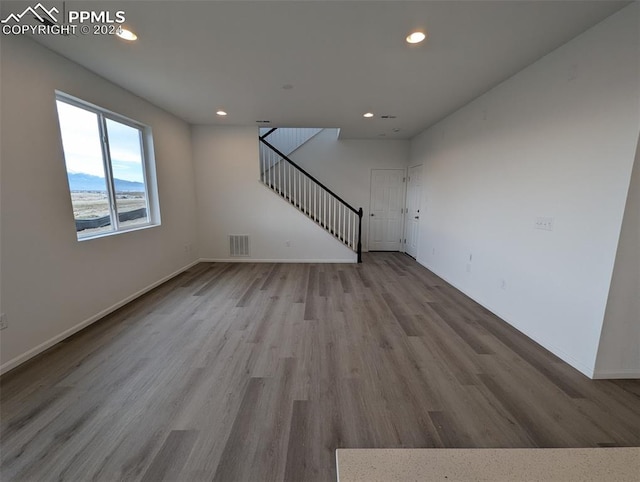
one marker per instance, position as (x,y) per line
(557,139)
(619,350)
(51,284)
(231,200)
(344,166)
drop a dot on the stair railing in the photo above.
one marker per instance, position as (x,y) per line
(309,195)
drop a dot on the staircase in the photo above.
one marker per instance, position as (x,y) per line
(305,192)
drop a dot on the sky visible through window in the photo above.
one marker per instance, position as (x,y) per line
(82,149)
(96,209)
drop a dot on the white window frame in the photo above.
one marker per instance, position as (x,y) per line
(148,166)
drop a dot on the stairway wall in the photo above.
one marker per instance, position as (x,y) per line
(288,139)
(231,200)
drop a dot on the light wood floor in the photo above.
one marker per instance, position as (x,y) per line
(259,372)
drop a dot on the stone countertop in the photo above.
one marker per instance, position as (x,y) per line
(563,465)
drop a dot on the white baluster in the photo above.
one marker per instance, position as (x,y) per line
(344,223)
(266,166)
(289,182)
(331,213)
(262,162)
(271,171)
(355,230)
(340,230)
(324,208)
(335,216)
(351,225)
(341,221)
(353,233)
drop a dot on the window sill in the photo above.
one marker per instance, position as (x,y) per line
(116,233)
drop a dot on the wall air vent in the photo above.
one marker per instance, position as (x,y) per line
(238,245)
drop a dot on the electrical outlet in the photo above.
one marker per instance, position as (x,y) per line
(287,243)
(503,284)
(544,223)
(434,251)
(4,323)
(468,267)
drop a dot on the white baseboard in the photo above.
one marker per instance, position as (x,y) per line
(11,364)
(613,374)
(547,344)
(254,260)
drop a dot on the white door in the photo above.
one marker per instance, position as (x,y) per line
(385,216)
(412,215)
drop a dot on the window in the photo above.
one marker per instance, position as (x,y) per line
(108,168)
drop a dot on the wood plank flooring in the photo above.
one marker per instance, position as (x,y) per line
(258,372)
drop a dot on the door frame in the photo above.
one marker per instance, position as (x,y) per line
(406,208)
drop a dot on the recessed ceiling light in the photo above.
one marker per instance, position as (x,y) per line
(221,113)
(287,86)
(125,34)
(368,114)
(416,37)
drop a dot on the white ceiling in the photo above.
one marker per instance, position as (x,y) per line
(343,58)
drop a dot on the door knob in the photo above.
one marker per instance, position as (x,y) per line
(372,214)
(416,217)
